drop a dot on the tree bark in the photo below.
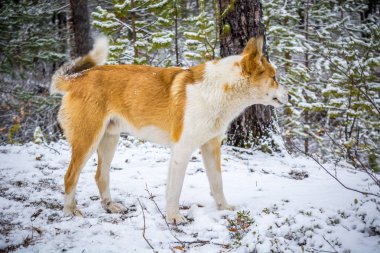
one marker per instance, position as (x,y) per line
(134,34)
(79,25)
(177,63)
(241,20)
(306,112)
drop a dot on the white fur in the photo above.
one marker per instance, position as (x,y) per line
(154,134)
(99,53)
(209,109)
(208,112)
(148,133)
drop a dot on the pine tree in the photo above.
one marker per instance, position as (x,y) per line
(32,45)
(285,47)
(201,41)
(352,56)
(139,30)
(331,69)
(32,37)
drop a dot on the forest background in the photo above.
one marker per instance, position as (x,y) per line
(327,54)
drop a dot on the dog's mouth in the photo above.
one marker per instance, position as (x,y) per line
(278,101)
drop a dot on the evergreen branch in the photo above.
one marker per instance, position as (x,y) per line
(123,23)
(369,99)
(60,8)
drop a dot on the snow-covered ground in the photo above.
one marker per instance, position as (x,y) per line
(293,205)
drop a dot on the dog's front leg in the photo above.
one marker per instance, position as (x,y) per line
(178,163)
(211,159)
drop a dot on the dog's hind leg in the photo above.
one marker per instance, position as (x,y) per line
(79,157)
(84,127)
(211,160)
(106,151)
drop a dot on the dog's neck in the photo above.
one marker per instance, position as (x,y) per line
(222,90)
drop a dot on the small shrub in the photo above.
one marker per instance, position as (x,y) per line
(239,226)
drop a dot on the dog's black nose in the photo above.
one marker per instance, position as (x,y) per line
(289,97)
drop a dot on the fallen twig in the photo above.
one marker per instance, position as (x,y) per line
(183,243)
(51,148)
(151,197)
(150,245)
(335,251)
(357,163)
(322,251)
(328,172)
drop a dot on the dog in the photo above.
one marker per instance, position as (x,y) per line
(181,108)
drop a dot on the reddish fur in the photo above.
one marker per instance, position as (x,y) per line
(143,95)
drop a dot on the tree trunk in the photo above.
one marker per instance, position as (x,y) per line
(241,20)
(177,63)
(60,20)
(134,34)
(306,112)
(79,26)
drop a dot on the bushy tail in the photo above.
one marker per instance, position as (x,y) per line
(97,56)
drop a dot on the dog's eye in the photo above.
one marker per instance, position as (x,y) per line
(260,71)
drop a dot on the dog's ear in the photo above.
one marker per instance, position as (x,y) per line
(252,54)
(254,46)
(260,44)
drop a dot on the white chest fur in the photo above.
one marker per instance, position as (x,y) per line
(209,107)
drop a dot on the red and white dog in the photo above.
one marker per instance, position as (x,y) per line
(184,109)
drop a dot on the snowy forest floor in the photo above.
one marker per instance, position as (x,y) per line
(294,205)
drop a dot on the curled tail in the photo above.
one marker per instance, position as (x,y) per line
(97,56)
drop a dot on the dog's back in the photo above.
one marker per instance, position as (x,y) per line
(121,97)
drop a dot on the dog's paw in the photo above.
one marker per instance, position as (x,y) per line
(176,219)
(226,207)
(113,207)
(72,211)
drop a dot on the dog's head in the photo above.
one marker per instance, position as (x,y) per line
(260,76)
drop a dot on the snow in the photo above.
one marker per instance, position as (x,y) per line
(105,24)
(190,42)
(159,4)
(190,34)
(295,206)
(162,40)
(122,5)
(192,54)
